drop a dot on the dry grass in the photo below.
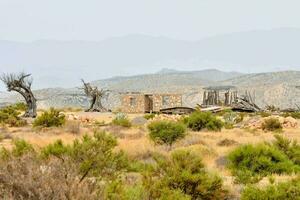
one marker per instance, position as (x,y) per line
(212,146)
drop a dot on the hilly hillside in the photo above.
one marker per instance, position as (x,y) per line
(281,89)
(63,63)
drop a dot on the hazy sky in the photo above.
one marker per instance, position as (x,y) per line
(28,20)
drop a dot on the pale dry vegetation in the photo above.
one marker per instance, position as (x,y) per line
(147,158)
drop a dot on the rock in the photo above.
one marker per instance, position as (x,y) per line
(139,121)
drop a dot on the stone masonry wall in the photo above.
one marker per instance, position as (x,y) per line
(173,100)
(138,107)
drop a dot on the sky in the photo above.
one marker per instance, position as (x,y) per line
(97,20)
(30,20)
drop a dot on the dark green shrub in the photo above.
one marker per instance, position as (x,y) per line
(271,124)
(250,162)
(57,149)
(51,118)
(184,176)
(121,120)
(9,115)
(149,116)
(289,148)
(289,190)
(203,120)
(166,132)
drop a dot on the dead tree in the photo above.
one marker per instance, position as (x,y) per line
(21,84)
(95,96)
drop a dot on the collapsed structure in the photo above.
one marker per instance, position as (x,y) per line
(219,95)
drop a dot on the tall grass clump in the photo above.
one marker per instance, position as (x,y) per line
(271,124)
(203,120)
(121,119)
(51,118)
(166,132)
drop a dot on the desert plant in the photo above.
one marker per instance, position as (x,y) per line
(251,162)
(271,124)
(10,115)
(121,120)
(288,147)
(289,190)
(149,116)
(166,132)
(295,115)
(184,176)
(51,118)
(203,120)
(264,114)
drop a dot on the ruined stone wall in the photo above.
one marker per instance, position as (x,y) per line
(127,105)
(161,101)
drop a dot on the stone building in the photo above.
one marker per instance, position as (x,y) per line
(147,103)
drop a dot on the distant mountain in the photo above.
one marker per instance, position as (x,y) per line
(63,63)
(281,89)
(166,80)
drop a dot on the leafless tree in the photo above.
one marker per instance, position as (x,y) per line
(22,84)
(95,96)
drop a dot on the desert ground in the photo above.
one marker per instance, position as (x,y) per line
(213,147)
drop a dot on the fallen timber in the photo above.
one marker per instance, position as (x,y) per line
(177,110)
(245,104)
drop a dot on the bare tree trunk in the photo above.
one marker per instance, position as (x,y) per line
(95,97)
(18,84)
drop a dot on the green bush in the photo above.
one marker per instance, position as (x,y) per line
(51,118)
(121,120)
(20,106)
(289,148)
(166,132)
(203,120)
(149,116)
(183,176)
(271,124)
(289,190)
(21,147)
(10,115)
(251,162)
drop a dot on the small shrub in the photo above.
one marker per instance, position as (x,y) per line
(271,124)
(20,106)
(57,149)
(149,116)
(289,190)
(248,162)
(51,118)
(289,148)
(227,142)
(183,176)
(166,132)
(203,120)
(264,114)
(121,120)
(9,115)
(21,147)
